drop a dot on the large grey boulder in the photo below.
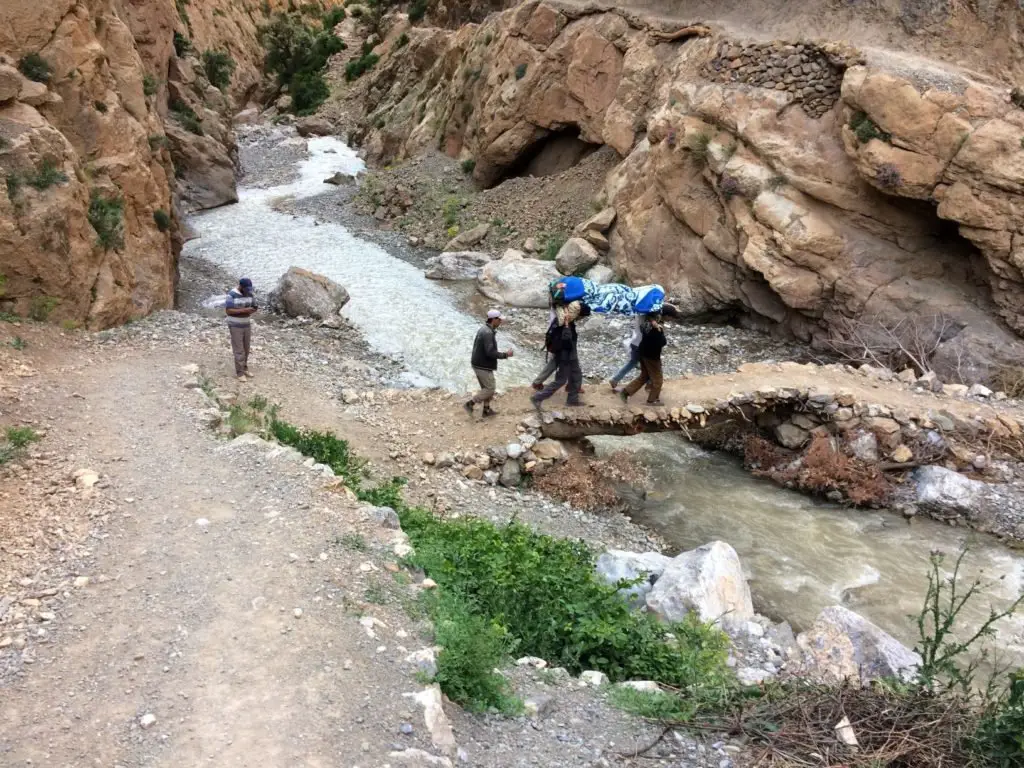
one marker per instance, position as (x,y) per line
(617,565)
(576,256)
(510,474)
(600,274)
(842,644)
(301,293)
(708,580)
(946,492)
(517,281)
(457,265)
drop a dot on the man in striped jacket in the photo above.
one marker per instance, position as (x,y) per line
(239,308)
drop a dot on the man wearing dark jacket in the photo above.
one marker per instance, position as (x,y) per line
(485,362)
(561,343)
(651,343)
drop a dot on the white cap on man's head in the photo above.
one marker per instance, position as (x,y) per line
(495,314)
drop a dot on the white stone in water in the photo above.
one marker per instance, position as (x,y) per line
(708,580)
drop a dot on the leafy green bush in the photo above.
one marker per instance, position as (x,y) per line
(999,739)
(520,71)
(35,67)
(17,439)
(41,308)
(543,591)
(46,175)
(309,90)
(865,129)
(450,209)
(417,10)
(355,68)
(473,646)
(322,446)
(150,85)
(106,215)
(219,66)
(162,219)
(403,40)
(297,55)
(333,18)
(182,45)
(468,165)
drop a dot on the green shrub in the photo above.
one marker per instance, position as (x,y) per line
(46,175)
(308,90)
(472,647)
(106,215)
(999,738)
(13,186)
(543,591)
(553,243)
(157,141)
(403,40)
(162,219)
(450,209)
(865,129)
(520,71)
(322,446)
(182,45)
(41,308)
(333,18)
(355,68)
(17,439)
(150,85)
(468,165)
(699,146)
(219,66)
(35,67)
(186,117)
(297,55)
(18,343)
(488,38)
(417,10)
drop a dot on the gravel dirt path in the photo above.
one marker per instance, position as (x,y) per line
(205,603)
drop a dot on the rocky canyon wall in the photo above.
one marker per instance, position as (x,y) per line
(820,188)
(109,138)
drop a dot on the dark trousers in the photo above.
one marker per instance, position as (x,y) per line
(568,374)
(650,371)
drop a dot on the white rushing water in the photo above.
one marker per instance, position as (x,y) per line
(399,311)
(802,555)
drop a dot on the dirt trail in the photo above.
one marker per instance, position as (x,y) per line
(199,556)
(195,622)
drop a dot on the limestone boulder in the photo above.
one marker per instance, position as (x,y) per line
(600,274)
(314,126)
(708,581)
(576,256)
(469,238)
(517,281)
(947,493)
(645,568)
(457,265)
(301,293)
(844,645)
(10,83)
(600,222)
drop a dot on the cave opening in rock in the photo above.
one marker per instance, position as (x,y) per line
(556,152)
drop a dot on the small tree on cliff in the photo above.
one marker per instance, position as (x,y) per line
(296,55)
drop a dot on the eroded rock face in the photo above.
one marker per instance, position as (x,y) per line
(789,181)
(100,128)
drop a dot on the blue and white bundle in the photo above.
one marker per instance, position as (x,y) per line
(610,298)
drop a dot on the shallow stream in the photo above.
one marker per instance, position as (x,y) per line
(801,555)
